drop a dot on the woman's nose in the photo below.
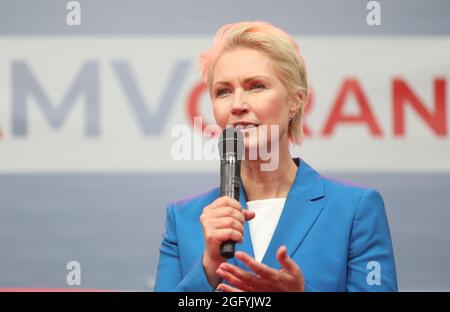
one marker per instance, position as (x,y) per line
(239,106)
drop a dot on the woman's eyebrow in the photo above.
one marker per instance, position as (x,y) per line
(223,82)
(255,77)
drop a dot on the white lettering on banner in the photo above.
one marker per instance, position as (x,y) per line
(71,104)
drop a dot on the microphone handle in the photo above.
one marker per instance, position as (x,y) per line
(229,186)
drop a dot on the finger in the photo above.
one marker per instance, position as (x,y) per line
(227,212)
(227,201)
(286,262)
(259,268)
(226,234)
(226,288)
(248,214)
(232,280)
(207,218)
(244,280)
(228,223)
(246,277)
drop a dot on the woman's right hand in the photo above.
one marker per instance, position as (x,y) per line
(222,220)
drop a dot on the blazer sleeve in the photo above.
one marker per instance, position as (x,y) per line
(169,275)
(371,265)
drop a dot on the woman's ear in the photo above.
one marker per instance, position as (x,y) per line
(296,102)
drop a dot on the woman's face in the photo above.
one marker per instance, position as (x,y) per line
(246,91)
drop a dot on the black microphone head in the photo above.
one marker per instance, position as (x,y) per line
(231,144)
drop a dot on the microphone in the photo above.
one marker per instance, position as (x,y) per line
(231,145)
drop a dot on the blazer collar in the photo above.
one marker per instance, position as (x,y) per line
(302,207)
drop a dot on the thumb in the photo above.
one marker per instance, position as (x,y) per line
(248,215)
(286,262)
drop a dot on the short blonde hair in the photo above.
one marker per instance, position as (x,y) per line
(275,43)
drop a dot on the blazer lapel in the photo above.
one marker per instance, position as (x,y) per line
(301,209)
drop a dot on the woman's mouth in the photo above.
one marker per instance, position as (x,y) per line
(245,128)
(244,124)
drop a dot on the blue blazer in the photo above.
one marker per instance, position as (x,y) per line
(338,234)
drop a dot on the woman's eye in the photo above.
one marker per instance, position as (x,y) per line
(222,92)
(258,86)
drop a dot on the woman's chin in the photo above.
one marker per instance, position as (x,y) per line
(253,150)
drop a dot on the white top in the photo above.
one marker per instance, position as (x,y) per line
(262,226)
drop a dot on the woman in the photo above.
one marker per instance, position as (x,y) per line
(295,230)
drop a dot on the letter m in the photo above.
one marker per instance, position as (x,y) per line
(24,85)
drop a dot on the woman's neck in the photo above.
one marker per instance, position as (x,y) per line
(261,184)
